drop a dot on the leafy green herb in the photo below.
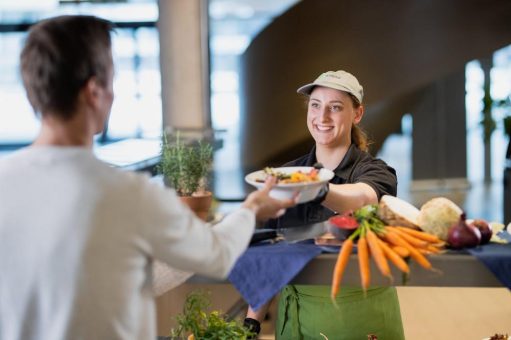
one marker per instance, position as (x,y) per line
(185,166)
(367,218)
(205,325)
(277,174)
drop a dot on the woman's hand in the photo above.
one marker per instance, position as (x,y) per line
(264,206)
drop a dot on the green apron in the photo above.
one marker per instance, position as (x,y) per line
(306,312)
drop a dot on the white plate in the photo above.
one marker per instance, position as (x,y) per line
(308,191)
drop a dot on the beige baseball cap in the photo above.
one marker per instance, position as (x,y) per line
(339,80)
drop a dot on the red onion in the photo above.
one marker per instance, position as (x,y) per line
(462,236)
(485,229)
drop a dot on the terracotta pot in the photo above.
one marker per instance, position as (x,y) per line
(199,203)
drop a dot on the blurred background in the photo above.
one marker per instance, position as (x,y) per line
(437,78)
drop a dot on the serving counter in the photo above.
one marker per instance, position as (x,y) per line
(462,290)
(451,269)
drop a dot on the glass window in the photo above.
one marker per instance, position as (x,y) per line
(500,89)
(233,25)
(136,111)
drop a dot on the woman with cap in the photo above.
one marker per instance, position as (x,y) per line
(334,110)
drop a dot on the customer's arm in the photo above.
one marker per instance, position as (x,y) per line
(170,232)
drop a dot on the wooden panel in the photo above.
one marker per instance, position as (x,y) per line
(454,313)
(393,47)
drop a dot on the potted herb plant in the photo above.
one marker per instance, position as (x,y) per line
(197,322)
(185,167)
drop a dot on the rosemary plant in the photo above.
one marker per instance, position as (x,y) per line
(206,325)
(185,166)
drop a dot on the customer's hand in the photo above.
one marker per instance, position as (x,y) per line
(266,207)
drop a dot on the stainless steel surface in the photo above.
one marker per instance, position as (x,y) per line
(305,232)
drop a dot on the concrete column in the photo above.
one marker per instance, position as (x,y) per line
(439,136)
(184,62)
(486,65)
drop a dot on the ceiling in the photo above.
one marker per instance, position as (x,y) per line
(245,17)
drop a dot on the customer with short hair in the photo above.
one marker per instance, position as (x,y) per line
(78,238)
(334,110)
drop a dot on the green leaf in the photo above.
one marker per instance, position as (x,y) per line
(185,166)
(196,320)
(367,217)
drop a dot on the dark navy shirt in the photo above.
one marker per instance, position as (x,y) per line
(357,166)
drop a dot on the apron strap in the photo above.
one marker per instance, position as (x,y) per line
(290,294)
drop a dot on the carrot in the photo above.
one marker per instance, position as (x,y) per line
(414,241)
(424,251)
(429,250)
(433,249)
(377,254)
(340,265)
(394,257)
(421,235)
(397,240)
(363,262)
(401,251)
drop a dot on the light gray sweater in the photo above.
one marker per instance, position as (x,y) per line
(78,240)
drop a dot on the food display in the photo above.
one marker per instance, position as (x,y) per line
(485,229)
(498,231)
(437,215)
(395,211)
(462,235)
(342,226)
(386,245)
(394,232)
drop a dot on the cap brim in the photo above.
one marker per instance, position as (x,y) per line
(306,89)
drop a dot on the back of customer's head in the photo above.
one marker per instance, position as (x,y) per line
(60,55)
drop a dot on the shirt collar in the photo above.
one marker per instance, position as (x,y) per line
(344,168)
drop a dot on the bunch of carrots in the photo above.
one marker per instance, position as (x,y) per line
(383,244)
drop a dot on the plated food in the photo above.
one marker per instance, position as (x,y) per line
(286,177)
(305,180)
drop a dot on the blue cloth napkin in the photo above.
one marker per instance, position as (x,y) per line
(497,257)
(263,270)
